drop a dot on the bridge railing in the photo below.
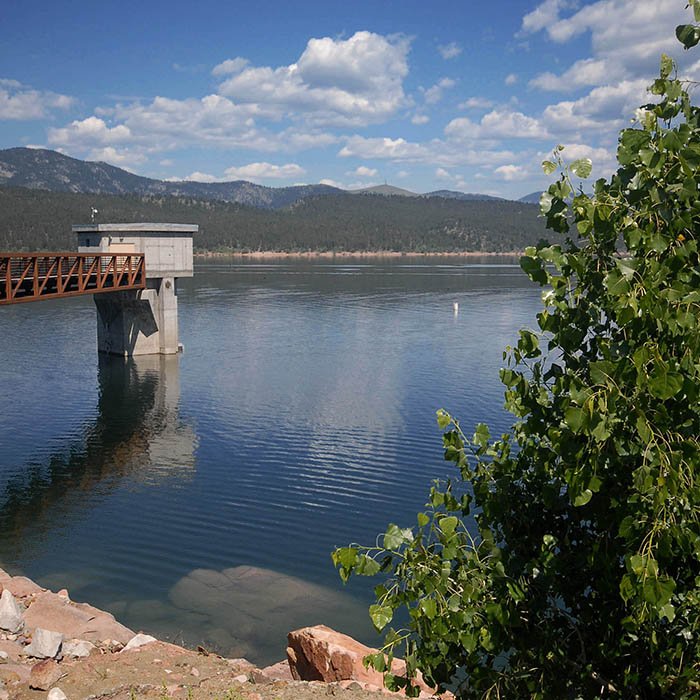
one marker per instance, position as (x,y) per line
(34,276)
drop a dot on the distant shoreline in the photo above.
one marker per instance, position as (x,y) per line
(353,254)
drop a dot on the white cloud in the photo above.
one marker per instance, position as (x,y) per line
(264,171)
(511,172)
(332,183)
(18,101)
(450,50)
(627,38)
(434,93)
(402,174)
(363,171)
(476,103)
(200,177)
(230,66)
(121,157)
(604,109)
(361,185)
(89,132)
(166,124)
(544,15)
(511,79)
(356,81)
(587,71)
(432,153)
(442,174)
(420,119)
(497,124)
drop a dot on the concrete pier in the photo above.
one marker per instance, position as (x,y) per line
(141,322)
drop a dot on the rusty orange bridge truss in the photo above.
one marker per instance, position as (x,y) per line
(35,276)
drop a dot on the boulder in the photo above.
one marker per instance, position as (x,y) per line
(21,586)
(74,620)
(10,614)
(279,671)
(138,640)
(56,694)
(77,648)
(322,654)
(45,644)
(44,674)
(12,649)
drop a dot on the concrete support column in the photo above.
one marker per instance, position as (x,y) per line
(138,322)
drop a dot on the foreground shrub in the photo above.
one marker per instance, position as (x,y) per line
(565,561)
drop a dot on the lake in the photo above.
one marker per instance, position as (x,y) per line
(198,497)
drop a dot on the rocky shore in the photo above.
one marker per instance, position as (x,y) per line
(55,649)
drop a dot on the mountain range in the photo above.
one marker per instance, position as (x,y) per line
(44,169)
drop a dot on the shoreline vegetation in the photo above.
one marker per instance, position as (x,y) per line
(267,254)
(354,225)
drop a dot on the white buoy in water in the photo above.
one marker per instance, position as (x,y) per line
(455,308)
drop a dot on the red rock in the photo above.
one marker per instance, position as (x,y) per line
(13,673)
(12,649)
(322,654)
(279,671)
(21,586)
(74,620)
(44,674)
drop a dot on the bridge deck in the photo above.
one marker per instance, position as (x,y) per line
(35,276)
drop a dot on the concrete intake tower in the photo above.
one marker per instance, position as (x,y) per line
(141,321)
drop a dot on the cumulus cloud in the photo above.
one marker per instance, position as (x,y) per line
(264,171)
(18,101)
(332,183)
(450,50)
(627,38)
(420,119)
(604,109)
(363,171)
(121,157)
(511,79)
(435,152)
(442,174)
(434,94)
(511,172)
(196,176)
(587,71)
(89,132)
(498,124)
(351,82)
(476,103)
(167,124)
(230,66)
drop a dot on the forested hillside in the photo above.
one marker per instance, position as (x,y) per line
(33,219)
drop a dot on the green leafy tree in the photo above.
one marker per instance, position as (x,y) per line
(565,560)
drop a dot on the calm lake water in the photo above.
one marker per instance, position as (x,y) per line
(198,497)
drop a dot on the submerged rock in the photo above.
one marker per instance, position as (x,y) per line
(250,608)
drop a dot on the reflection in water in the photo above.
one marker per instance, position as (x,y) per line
(313,389)
(137,433)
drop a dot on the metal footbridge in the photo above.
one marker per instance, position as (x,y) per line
(36,276)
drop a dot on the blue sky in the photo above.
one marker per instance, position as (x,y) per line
(468,95)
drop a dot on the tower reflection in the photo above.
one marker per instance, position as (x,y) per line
(137,434)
